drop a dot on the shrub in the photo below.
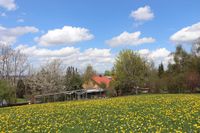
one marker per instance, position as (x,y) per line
(7,92)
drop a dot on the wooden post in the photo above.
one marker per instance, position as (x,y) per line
(100,92)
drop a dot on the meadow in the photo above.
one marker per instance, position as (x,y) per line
(142,113)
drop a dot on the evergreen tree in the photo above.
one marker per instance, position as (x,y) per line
(160,70)
(20,91)
(73,80)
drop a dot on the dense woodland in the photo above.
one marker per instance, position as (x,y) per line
(130,72)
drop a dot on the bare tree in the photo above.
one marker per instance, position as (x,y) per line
(20,64)
(6,53)
(196,47)
(13,63)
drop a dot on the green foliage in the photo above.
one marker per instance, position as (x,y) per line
(130,70)
(73,80)
(160,85)
(176,83)
(7,92)
(183,75)
(111,92)
(108,73)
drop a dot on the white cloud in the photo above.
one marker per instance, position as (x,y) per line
(9,35)
(3,14)
(142,14)
(157,56)
(97,52)
(187,34)
(67,35)
(126,38)
(101,59)
(20,20)
(46,53)
(8,4)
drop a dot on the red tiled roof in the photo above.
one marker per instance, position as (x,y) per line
(102,79)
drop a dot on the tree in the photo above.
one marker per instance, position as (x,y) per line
(196,47)
(6,53)
(47,80)
(108,73)
(88,74)
(160,70)
(20,64)
(192,81)
(176,72)
(20,90)
(7,92)
(131,71)
(176,83)
(181,59)
(13,63)
(73,80)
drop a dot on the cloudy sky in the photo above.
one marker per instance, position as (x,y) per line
(94,31)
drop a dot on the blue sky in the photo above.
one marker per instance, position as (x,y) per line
(104,21)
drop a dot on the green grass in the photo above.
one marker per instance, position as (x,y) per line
(143,113)
(21,100)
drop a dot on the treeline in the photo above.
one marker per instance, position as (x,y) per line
(52,77)
(184,74)
(130,73)
(19,80)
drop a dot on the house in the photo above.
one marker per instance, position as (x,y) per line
(97,86)
(98,81)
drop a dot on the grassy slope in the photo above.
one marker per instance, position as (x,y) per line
(146,113)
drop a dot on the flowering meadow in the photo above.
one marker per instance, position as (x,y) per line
(143,113)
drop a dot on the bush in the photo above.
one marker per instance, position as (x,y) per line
(7,92)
